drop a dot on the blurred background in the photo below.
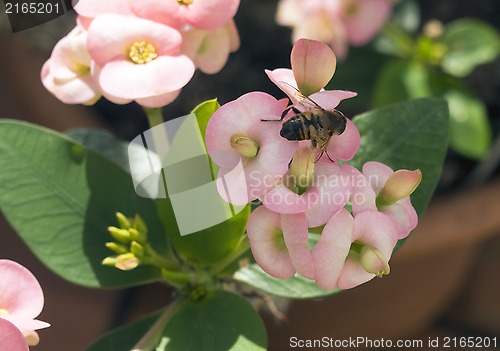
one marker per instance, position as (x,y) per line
(444,280)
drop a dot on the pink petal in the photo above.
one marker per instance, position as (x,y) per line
(404,217)
(330,99)
(165,74)
(20,292)
(110,37)
(377,174)
(209,50)
(234,37)
(376,230)
(289,12)
(296,233)
(11,338)
(283,200)
(345,145)
(362,196)
(83,90)
(368,18)
(267,247)
(232,186)
(283,78)
(94,8)
(70,55)
(168,12)
(160,100)
(334,189)
(329,254)
(210,14)
(313,65)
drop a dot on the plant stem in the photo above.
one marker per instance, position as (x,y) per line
(151,339)
(242,248)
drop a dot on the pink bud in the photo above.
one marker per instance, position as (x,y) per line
(313,65)
(400,184)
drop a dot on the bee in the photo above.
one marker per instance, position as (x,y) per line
(315,123)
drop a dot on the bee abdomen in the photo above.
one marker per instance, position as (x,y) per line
(296,128)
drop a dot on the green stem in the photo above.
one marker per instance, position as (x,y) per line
(155,118)
(151,339)
(241,249)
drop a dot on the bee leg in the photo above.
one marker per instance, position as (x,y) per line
(282,116)
(326,152)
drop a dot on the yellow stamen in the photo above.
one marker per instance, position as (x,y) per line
(4,312)
(142,52)
(185,2)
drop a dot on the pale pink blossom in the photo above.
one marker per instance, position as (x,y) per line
(11,338)
(335,22)
(93,8)
(210,49)
(352,251)
(21,299)
(370,193)
(201,14)
(279,243)
(250,152)
(137,59)
(67,73)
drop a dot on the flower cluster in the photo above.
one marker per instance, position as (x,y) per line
(21,301)
(144,51)
(288,159)
(335,22)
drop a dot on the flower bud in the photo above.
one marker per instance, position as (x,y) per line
(400,184)
(118,249)
(301,170)
(141,227)
(120,235)
(138,250)
(126,262)
(244,146)
(123,221)
(373,261)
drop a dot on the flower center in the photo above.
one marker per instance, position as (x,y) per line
(142,52)
(4,312)
(245,146)
(185,2)
(351,9)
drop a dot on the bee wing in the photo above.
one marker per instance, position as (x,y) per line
(308,103)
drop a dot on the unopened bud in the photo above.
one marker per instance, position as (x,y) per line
(118,249)
(301,170)
(138,250)
(244,146)
(141,227)
(373,261)
(126,262)
(120,235)
(400,184)
(123,221)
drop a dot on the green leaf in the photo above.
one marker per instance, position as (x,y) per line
(401,80)
(220,321)
(470,130)
(408,135)
(61,197)
(212,244)
(469,44)
(103,143)
(125,337)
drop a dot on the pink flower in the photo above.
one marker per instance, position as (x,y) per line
(21,299)
(202,14)
(94,8)
(210,49)
(328,192)
(380,188)
(352,251)
(137,59)
(11,338)
(313,66)
(67,73)
(250,152)
(279,243)
(334,22)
